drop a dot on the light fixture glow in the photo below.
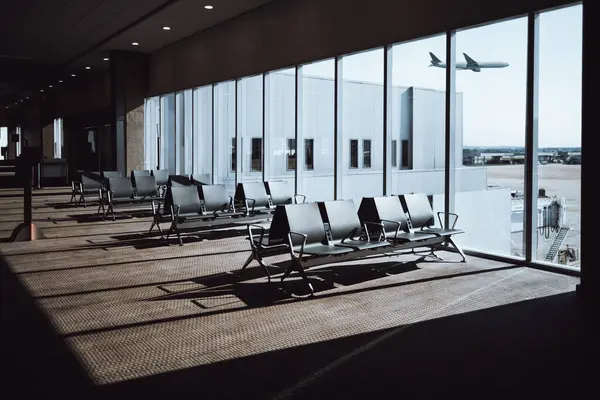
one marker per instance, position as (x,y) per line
(135,44)
(60,81)
(27,97)
(88,67)
(73,75)
(105,58)
(42,90)
(166,28)
(209,7)
(50,86)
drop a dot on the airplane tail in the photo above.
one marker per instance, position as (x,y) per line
(434,59)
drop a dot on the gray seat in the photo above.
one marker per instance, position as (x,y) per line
(91,183)
(388,211)
(421,215)
(216,201)
(282,192)
(138,172)
(161,176)
(345,228)
(118,190)
(253,197)
(201,179)
(179,180)
(146,188)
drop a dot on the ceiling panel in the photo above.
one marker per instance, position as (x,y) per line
(42,41)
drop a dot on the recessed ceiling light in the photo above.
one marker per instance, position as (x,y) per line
(50,86)
(105,58)
(166,28)
(7,107)
(42,90)
(73,75)
(88,67)
(27,97)
(21,100)
(60,81)
(209,7)
(135,44)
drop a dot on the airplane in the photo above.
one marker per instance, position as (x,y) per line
(470,64)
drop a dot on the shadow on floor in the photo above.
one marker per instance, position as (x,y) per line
(531,348)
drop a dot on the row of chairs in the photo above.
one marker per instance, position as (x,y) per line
(334,231)
(260,197)
(186,205)
(90,183)
(123,191)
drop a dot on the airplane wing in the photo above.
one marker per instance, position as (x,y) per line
(471,64)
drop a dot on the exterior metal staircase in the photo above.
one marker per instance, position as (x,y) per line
(558,242)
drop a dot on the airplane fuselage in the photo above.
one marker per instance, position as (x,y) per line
(476,68)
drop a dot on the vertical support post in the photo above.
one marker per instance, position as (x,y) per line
(388,65)
(298,132)
(239,157)
(531,138)
(212,132)
(450,145)
(265,160)
(590,275)
(338,167)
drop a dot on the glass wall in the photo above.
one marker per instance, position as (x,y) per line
(225,153)
(151,133)
(491,77)
(287,125)
(280,135)
(316,146)
(416,139)
(558,146)
(202,137)
(167,133)
(3,142)
(250,129)
(360,123)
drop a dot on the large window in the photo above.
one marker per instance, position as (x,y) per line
(167,133)
(366,153)
(250,128)
(557,237)
(280,125)
(361,119)
(316,93)
(491,76)
(224,120)
(416,118)
(151,132)
(203,119)
(183,132)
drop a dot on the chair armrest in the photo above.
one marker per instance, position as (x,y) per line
(398,226)
(290,235)
(451,214)
(299,195)
(175,212)
(251,235)
(253,203)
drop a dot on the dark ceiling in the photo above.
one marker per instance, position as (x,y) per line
(44,41)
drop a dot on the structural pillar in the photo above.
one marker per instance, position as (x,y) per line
(129,84)
(589,288)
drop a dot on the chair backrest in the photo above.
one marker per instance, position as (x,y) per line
(111,174)
(214,196)
(161,176)
(305,218)
(252,190)
(138,172)
(342,218)
(419,209)
(281,192)
(376,209)
(201,179)
(120,188)
(187,198)
(167,202)
(179,180)
(91,181)
(146,186)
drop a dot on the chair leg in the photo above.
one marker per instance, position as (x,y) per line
(298,267)
(248,261)
(152,226)
(457,247)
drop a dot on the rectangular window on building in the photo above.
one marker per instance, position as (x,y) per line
(367,153)
(353,153)
(309,164)
(291,154)
(233,154)
(405,153)
(394,153)
(256,159)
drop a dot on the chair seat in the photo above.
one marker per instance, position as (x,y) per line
(441,231)
(318,249)
(409,236)
(362,244)
(147,198)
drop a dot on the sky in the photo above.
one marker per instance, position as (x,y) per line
(493,99)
